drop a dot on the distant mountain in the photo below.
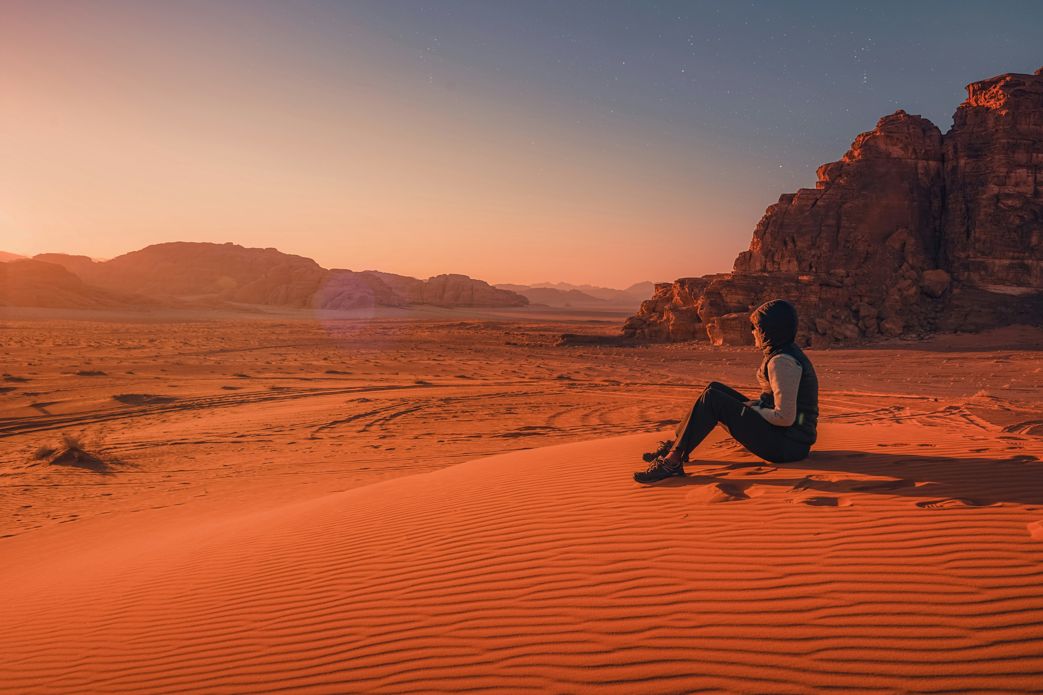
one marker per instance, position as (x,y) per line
(449,290)
(82,267)
(550,296)
(26,282)
(6,256)
(641,288)
(634,294)
(564,294)
(220,274)
(229,271)
(346,289)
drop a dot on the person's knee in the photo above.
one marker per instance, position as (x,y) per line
(712,388)
(716,401)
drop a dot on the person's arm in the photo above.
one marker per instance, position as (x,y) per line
(784,375)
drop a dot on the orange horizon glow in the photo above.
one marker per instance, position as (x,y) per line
(125,138)
(602,143)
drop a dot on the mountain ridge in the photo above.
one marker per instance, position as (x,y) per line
(213,274)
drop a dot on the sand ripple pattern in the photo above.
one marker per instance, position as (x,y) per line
(545,570)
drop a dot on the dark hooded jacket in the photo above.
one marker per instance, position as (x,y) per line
(777,321)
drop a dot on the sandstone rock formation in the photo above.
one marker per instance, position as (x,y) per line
(228,274)
(346,289)
(911,231)
(994,184)
(27,282)
(449,290)
(6,256)
(234,273)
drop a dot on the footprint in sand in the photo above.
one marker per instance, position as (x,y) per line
(809,481)
(953,503)
(826,501)
(886,485)
(724,491)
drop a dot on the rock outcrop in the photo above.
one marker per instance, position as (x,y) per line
(346,289)
(449,290)
(994,184)
(229,271)
(6,256)
(204,274)
(28,282)
(911,231)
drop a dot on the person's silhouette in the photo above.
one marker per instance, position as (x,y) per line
(779,427)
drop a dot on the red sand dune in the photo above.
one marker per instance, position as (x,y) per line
(902,556)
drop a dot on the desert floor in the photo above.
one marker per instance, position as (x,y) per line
(275,503)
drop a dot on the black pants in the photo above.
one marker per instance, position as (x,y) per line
(722,404)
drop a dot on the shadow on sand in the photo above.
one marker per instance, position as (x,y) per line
(938,481)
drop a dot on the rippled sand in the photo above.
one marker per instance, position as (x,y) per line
(253,518)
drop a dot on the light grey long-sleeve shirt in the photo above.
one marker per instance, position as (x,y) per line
(783,381)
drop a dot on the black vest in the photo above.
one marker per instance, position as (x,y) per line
(804,428)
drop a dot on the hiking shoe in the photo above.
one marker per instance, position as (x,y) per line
(663,450)
(660,469)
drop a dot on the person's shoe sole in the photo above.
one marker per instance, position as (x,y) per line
(677,474)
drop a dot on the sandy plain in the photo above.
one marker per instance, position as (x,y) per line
(442,503)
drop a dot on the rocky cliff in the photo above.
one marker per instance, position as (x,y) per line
(911,231)
(994,184)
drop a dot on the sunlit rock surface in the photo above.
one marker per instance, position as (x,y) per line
(910,232)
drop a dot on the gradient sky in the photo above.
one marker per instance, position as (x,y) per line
(603,142)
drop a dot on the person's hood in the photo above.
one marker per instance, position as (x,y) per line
(777,320)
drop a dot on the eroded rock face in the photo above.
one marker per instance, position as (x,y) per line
(730,329)
(901,236)
(344,289)
(994,184)
(885,192)
(460,290)
(229,271)
(672,312)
